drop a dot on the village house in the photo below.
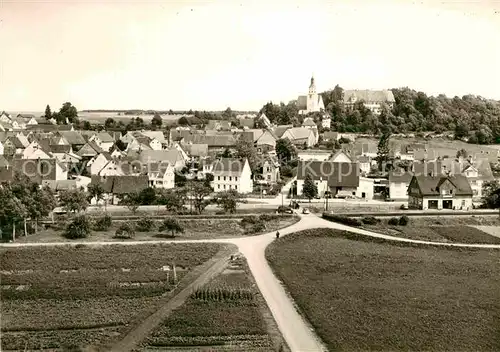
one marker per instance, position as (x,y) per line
(171,156)
(440,192)
(35,151)
(300,136)
(372,99)
(89,150)
(280,130)
(313,154)
(73,138)
(218,125)
(42,171)
(98,162)
(270,169)
(312,102)
(335,179)
(365,164)
(230,174)
(341,156)
(399,181)
(117,187)
(103,139)
(264,121)
(326,121)
(160,175)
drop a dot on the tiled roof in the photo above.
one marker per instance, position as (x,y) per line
(308,121)
(280,129)
(200,150)
(429,185)
(105,137)
(121,184)
(299,132)
(229,166)
(172,156)
(73,137)
(400,176)
(250,123)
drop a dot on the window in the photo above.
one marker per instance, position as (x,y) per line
(224,186)
(218,186)
(230,178)
(236,178)
(269,177)
(218,178)
(463,203)
(236,187)
(224,178)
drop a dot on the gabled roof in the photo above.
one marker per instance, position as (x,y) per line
(429,185)
(121,184)
(309,121)
(281,129)
(158,135)
(298,133)
(199,150)
(16,142)
(105,137)
(60,148)
(337,174)
(171,156)
(229,166)
(73,137)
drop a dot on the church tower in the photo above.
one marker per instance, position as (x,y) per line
(312,88)
(312,97)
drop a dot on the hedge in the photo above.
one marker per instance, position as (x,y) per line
(341,219)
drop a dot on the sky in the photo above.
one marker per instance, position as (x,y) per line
(209,55)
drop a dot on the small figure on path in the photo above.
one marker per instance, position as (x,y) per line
(277,234)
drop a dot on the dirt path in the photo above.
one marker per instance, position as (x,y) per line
(198,277)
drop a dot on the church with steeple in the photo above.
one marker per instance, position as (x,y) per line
(312,102)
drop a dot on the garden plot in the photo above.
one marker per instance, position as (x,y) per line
(223,315)
(55,297)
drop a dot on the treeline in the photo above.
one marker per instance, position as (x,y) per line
(470,117)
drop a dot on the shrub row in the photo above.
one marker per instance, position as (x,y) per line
(402,221)
(341,219)
(222,295)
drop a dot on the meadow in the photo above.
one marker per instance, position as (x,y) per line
(363,295)
(55,297)
(441,229)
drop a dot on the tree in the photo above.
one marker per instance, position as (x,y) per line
(12,210)
(198,192)
(147,196)
(462,153)
(208,180)
(73,201)
(96,191)
(491,194)
(285,150)
(228,200)
(68,113)
(43,203)
(227,114)
(172,199)
(79,227)
(132,201)
(309,189)
(48,113)
(383,153)
(245,149)
(109,123)
(172,225)
(156,122)
(183,121)
(125,230)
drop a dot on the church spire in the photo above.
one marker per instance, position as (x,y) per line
(312,86)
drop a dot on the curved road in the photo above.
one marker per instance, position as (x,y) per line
(297,332)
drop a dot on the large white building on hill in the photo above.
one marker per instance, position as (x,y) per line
(312,102)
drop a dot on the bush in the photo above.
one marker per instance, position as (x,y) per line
(268,217)
(171,225)
(125,230)
(103,223)
(146,224)
(79,227)
(343,220)
(393,221)
(253,224)
(404,220)
(370,220)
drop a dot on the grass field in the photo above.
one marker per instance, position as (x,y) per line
(364,296)
(441,229)
(224,314)
(193,229)
(59,296)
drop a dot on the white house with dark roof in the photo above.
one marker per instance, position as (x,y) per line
(399,180)
(372,99)
(440,192)
(230,174)
(160,175)
(335,178)
(312,102)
